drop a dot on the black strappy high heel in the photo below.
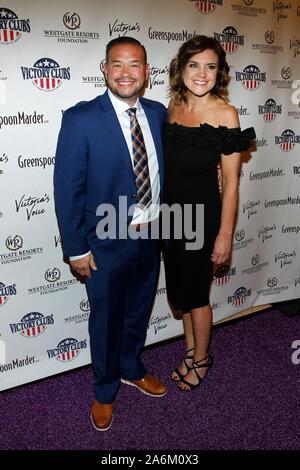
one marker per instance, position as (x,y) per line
(195,366)
(188,368)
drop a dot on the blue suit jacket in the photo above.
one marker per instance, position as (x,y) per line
(93,167)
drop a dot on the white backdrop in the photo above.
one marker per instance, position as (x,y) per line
(43,309)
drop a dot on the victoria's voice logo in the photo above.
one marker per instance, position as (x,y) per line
(270,110)
(281,8)
(121,29)
(158,76)
(207,6)
(11,26)
(251,77)
(32,324)
(230,39)
(287,140)
(3,161)
(46,74)
(266,232)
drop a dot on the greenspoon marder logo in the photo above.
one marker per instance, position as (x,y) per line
(11,27)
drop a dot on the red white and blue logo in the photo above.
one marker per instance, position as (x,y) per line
(67,350)
(208,6)
(287,140)
(229,39)
(251,77)
(239,296)
(6,292)
(270,110)
(32,324)
(11,27)
(46,74)
(222,275)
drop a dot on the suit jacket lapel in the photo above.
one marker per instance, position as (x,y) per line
(110,121)
(156,133)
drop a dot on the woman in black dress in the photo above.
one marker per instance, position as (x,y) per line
(203,132)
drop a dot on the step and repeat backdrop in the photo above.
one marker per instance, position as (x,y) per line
(51,57)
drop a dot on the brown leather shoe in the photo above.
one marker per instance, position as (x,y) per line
(101,415)
(149,385)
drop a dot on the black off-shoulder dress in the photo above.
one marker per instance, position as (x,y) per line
(191,158)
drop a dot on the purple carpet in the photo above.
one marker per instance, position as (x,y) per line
(249,399)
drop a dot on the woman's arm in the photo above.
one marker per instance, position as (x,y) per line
(230,168)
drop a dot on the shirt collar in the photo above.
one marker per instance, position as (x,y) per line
(120,106)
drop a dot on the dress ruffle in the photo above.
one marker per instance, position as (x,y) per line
(221,139)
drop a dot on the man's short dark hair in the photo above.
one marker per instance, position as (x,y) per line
(124,40)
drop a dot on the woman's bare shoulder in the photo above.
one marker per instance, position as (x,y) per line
(228,115)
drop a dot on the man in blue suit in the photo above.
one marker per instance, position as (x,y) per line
(97,151)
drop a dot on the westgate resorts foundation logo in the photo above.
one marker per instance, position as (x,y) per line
(32,324)
(268,47)
(229,39)
(269,110)
(251,77)
(54,284)
(256,265)
(16,252)
(11,26)
(285,82)
(72,34)
(46,74)
(67,349)
(96,80)
(247,8)
(241,240)
(79,316)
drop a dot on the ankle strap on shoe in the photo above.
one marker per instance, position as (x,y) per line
(207,363)
(186,355)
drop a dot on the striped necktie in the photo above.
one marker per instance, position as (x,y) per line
(140,161)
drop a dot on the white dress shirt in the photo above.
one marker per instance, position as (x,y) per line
(150,213)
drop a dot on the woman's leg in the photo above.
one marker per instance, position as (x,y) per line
(201,322)
(189,344)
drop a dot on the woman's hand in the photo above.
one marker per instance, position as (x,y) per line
(222,248)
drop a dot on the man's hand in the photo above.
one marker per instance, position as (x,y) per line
(82,266)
